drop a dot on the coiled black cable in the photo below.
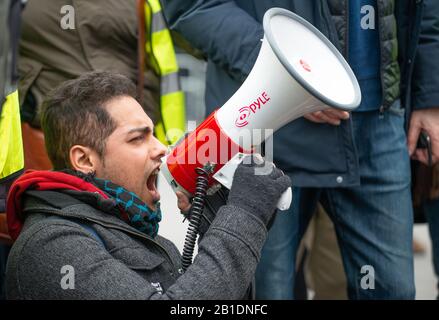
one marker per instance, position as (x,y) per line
(195,214)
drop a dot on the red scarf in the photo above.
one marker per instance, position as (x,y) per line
(40,180)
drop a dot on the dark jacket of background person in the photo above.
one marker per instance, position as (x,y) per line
(104,38)
(125,263)
(229,33)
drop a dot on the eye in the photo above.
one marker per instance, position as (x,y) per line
(138,138)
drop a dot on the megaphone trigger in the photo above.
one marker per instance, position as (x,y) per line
(285,200)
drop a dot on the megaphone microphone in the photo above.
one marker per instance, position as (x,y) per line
(298,71)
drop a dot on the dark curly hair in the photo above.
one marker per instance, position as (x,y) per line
(74,113)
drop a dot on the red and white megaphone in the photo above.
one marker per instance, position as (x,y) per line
(298,71)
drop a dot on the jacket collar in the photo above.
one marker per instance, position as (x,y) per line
(60,193)
(86,206)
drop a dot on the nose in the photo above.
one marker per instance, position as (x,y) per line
(159,149)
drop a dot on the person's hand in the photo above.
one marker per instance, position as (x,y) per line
(331,116)
(427,120)
(256,193)
(183,202)
(212,205)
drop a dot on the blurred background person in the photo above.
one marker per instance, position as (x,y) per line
(11,146)
(426,206)
(60,42)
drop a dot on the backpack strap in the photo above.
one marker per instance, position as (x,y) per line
(87,227)
(92,232)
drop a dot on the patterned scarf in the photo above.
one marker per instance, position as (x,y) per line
(132,209)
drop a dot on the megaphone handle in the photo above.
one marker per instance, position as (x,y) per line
(285,200)
(225,177)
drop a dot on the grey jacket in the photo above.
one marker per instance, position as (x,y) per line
(112,260)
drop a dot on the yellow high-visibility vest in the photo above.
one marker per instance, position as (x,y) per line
(160,49)
(11,143)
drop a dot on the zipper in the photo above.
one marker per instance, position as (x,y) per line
(110,227)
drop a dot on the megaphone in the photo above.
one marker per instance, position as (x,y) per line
(298,71)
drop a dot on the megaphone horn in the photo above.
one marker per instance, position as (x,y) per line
(298,71)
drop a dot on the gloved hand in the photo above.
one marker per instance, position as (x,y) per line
(258,194)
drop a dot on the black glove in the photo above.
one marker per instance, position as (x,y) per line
(256,193)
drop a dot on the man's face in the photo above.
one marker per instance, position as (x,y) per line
(132,153)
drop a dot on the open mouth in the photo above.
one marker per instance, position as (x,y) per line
(151,185)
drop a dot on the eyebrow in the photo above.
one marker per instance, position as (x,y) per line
(144,130)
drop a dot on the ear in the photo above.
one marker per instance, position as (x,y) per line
(84,159)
